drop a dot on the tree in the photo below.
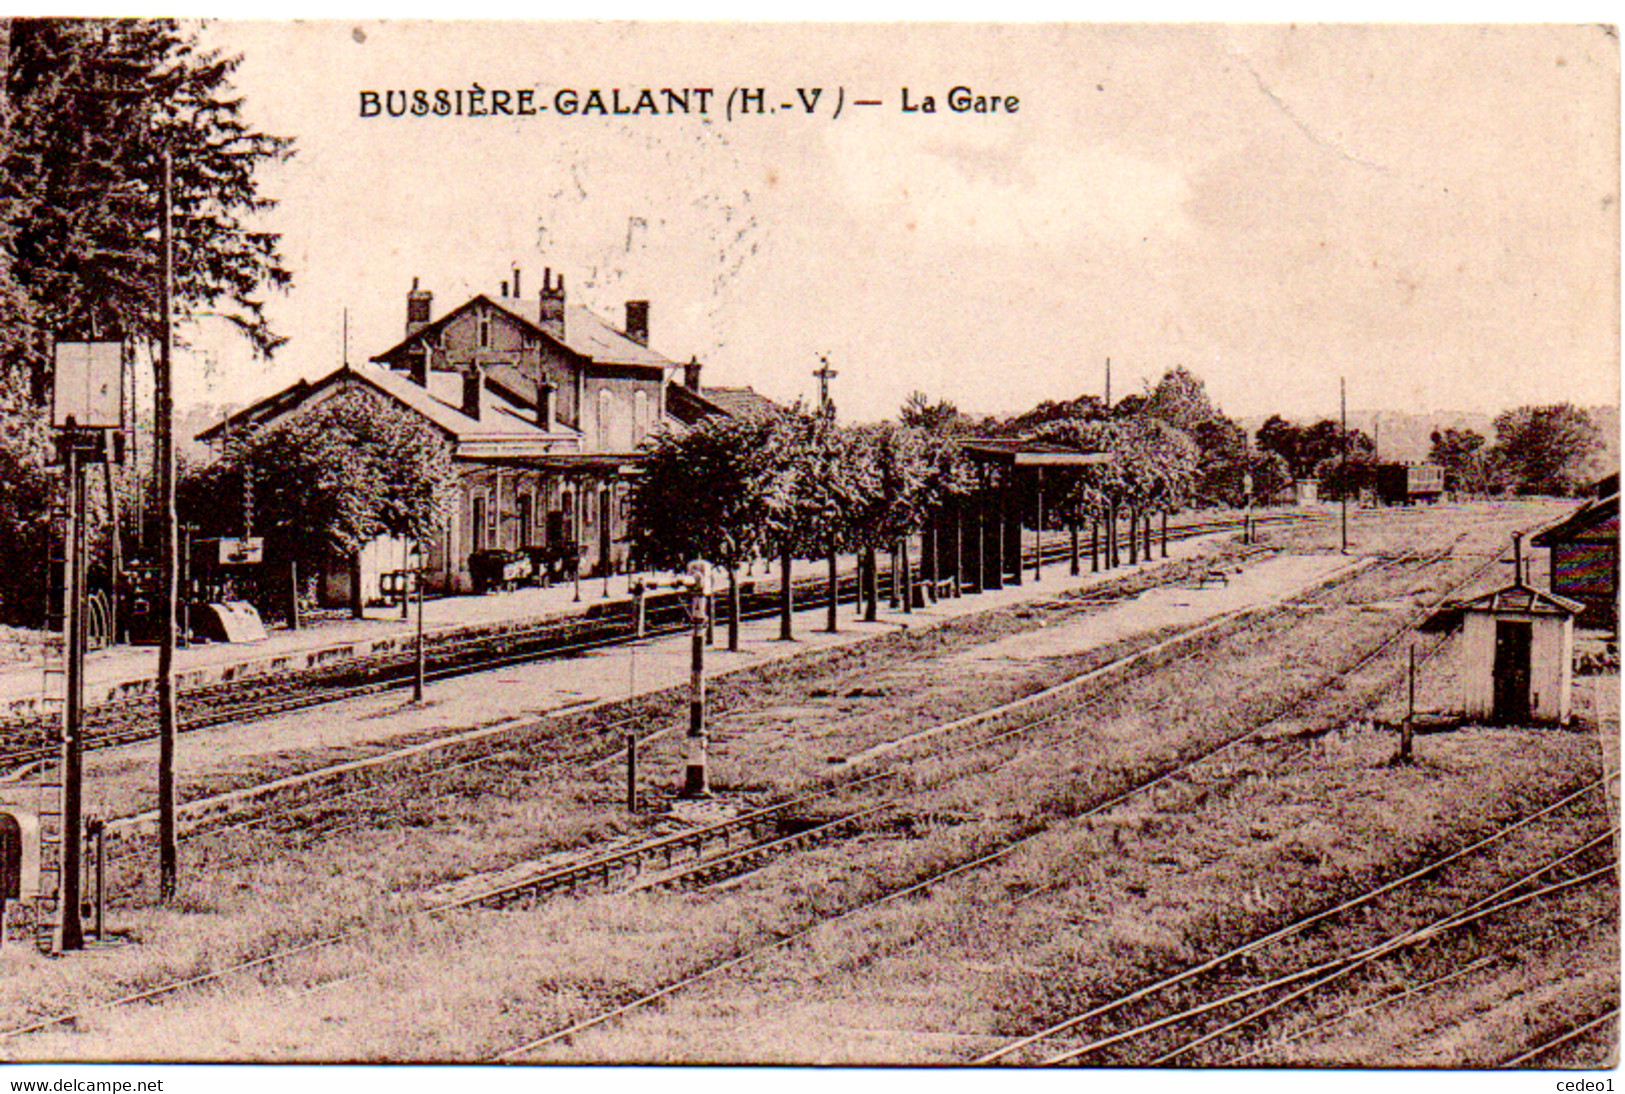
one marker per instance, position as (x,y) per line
(1083,408)
(1270,475)
(1337,475)
(891,475)
(26,485)
(1180,399)
(704,494)
(803,497)
(1281,437)
(1221,460)
(941,417)
(1461,453)
(1544,449)
(353,468)
(93,104)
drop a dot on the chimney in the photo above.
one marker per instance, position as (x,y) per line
(417,308)
(544,406)
(504,290)
(473,382)
(637,321)
(551,316)
(517,293)
(419,364)
(691,374)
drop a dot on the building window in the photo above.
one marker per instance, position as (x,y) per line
(524,520)
(479,524)
(603,419)
(485,332)
(640,416)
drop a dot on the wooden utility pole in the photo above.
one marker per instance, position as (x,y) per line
(417,643)
(1038,545)
(1343,472)
(168,563)
(69,930)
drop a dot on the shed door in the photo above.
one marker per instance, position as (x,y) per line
(1512,643)
(11,858)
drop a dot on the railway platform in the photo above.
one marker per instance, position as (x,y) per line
(374,729)
(126,671)
(122,671)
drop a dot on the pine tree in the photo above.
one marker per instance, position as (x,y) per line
(91,105)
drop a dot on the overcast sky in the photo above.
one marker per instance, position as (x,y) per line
(1432,212)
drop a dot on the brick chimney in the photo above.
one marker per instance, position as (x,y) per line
(517,294)
(417,308)
(691,374)
(637,321)
(551,317)
(473,383)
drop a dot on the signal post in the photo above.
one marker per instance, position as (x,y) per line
(87,400)
(695,745)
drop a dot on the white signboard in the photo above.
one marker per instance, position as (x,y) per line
(236,552)
(89,385)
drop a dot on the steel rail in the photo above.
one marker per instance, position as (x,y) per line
(506,894)
(1335,968)
(303,688)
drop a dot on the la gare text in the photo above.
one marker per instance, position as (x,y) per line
(476,101)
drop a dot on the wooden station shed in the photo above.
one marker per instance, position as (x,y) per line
(1517,653)
(978,542)
(1585,559)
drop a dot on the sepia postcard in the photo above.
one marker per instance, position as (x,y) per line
(978,545)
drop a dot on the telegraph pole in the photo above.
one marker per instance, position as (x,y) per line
(168,567)
(417,644)
(1343,472)
(69,930)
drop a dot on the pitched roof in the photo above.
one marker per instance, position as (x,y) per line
(689,406)
(584,333)
(1510,599)
(741,402)
(1579,522)
(504,426)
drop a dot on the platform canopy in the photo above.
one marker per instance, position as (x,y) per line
(1006,452)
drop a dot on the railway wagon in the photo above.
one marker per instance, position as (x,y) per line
(1409,483)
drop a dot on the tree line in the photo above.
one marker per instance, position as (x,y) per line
(87,108)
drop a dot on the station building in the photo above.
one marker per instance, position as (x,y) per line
(545,405)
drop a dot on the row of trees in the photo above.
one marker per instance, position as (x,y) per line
(796,485)
(1537,450)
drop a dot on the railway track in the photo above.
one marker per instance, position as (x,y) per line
(1158,1024)
(757,834)
(33,738)
(591,740)
(1180,767)
(1532,1056)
